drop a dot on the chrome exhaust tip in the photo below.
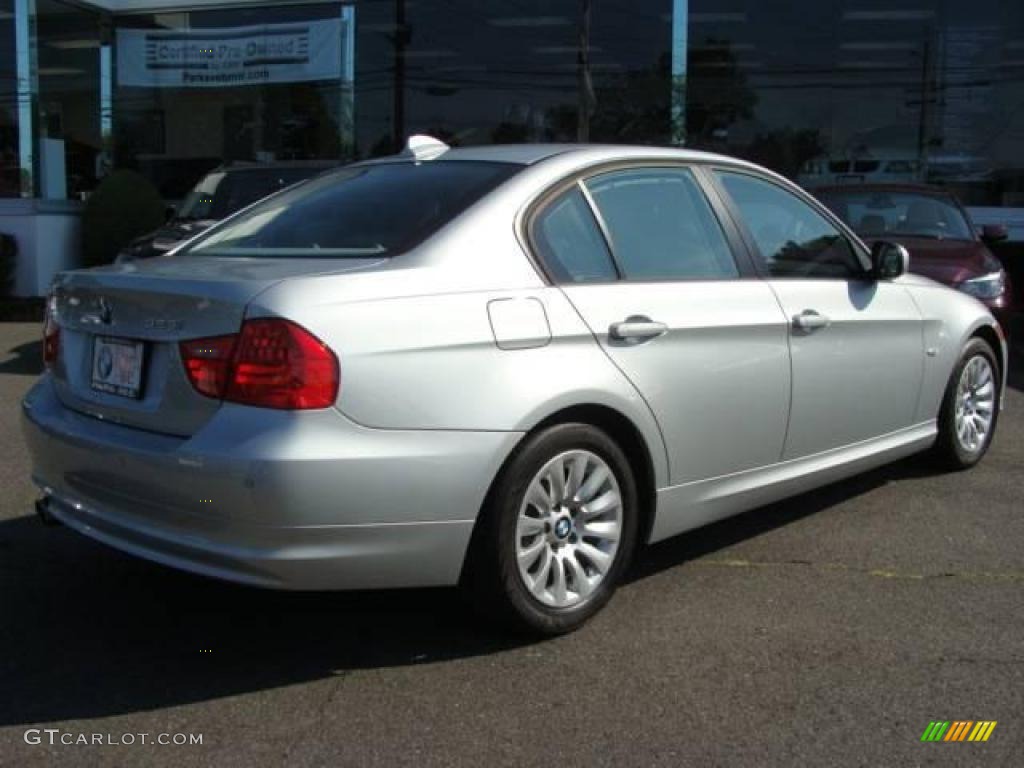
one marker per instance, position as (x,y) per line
(43,512)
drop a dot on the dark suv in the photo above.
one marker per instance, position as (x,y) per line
(221,192)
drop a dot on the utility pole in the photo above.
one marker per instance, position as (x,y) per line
(922,125)
(401,39)
(586,96)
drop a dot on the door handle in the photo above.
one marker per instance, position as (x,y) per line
(636,328)
(809,320)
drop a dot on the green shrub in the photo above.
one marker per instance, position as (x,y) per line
(124,206)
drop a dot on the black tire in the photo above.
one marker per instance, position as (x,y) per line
(491,577)
(949,451)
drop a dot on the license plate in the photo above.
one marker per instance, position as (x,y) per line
(117,366)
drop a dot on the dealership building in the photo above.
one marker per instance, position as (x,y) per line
(823,91)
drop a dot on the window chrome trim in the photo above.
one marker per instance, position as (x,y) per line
(602,225)
(738,248)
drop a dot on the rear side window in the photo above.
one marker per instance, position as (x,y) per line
(661,225)
(792,238)
(569,241)
(373,210)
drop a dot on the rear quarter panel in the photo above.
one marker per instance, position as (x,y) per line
(430,361)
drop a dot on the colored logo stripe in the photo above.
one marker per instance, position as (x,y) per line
(982,730)
(958,730)
(935,730)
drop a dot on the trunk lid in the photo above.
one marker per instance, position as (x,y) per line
(160,302)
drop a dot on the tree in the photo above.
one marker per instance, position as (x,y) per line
(717,94)
(124,206)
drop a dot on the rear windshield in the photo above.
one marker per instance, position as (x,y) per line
(373,210)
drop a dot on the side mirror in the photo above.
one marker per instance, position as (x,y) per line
(994,233)
(889,260)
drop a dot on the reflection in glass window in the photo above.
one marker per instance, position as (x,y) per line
(863,91)
(223,192)
(875,213)
(792,238)
(68,48)
(570,242)
(10,166)
(183,117)
(661,225)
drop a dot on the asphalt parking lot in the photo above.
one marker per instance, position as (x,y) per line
(826,630)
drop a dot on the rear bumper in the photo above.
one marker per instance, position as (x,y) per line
(305,500)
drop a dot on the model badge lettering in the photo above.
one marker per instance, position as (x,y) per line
(161,324)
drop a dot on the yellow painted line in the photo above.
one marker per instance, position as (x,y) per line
(880,573)
(988,731)
(977,730)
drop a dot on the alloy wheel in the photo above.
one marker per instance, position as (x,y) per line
(975,403)
(568,528)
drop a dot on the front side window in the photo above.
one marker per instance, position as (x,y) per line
(661,225)
(369,210)
(793,239)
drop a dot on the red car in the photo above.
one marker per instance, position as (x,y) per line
(934,227)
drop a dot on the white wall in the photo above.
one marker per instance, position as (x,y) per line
(49,240)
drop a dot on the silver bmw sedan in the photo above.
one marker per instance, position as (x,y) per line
(502,367)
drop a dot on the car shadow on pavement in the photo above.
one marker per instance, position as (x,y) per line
(1016,345)
(1016,373)
(89,633)
(25,359)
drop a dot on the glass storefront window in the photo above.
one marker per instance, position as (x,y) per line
(197,89)
(10,166)
(861,91)
(825,92)
(485,71)
(69,142)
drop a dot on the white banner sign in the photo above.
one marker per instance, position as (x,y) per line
(204,58)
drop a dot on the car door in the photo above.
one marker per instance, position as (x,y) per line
(648,264)
(856,342)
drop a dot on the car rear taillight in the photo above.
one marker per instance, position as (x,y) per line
(271,363)
(51,333)
(208,363)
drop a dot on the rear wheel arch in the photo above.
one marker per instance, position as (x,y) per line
(621,429)
(630,439)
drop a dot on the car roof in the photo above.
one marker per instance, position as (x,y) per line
(919,189)
(529,154)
